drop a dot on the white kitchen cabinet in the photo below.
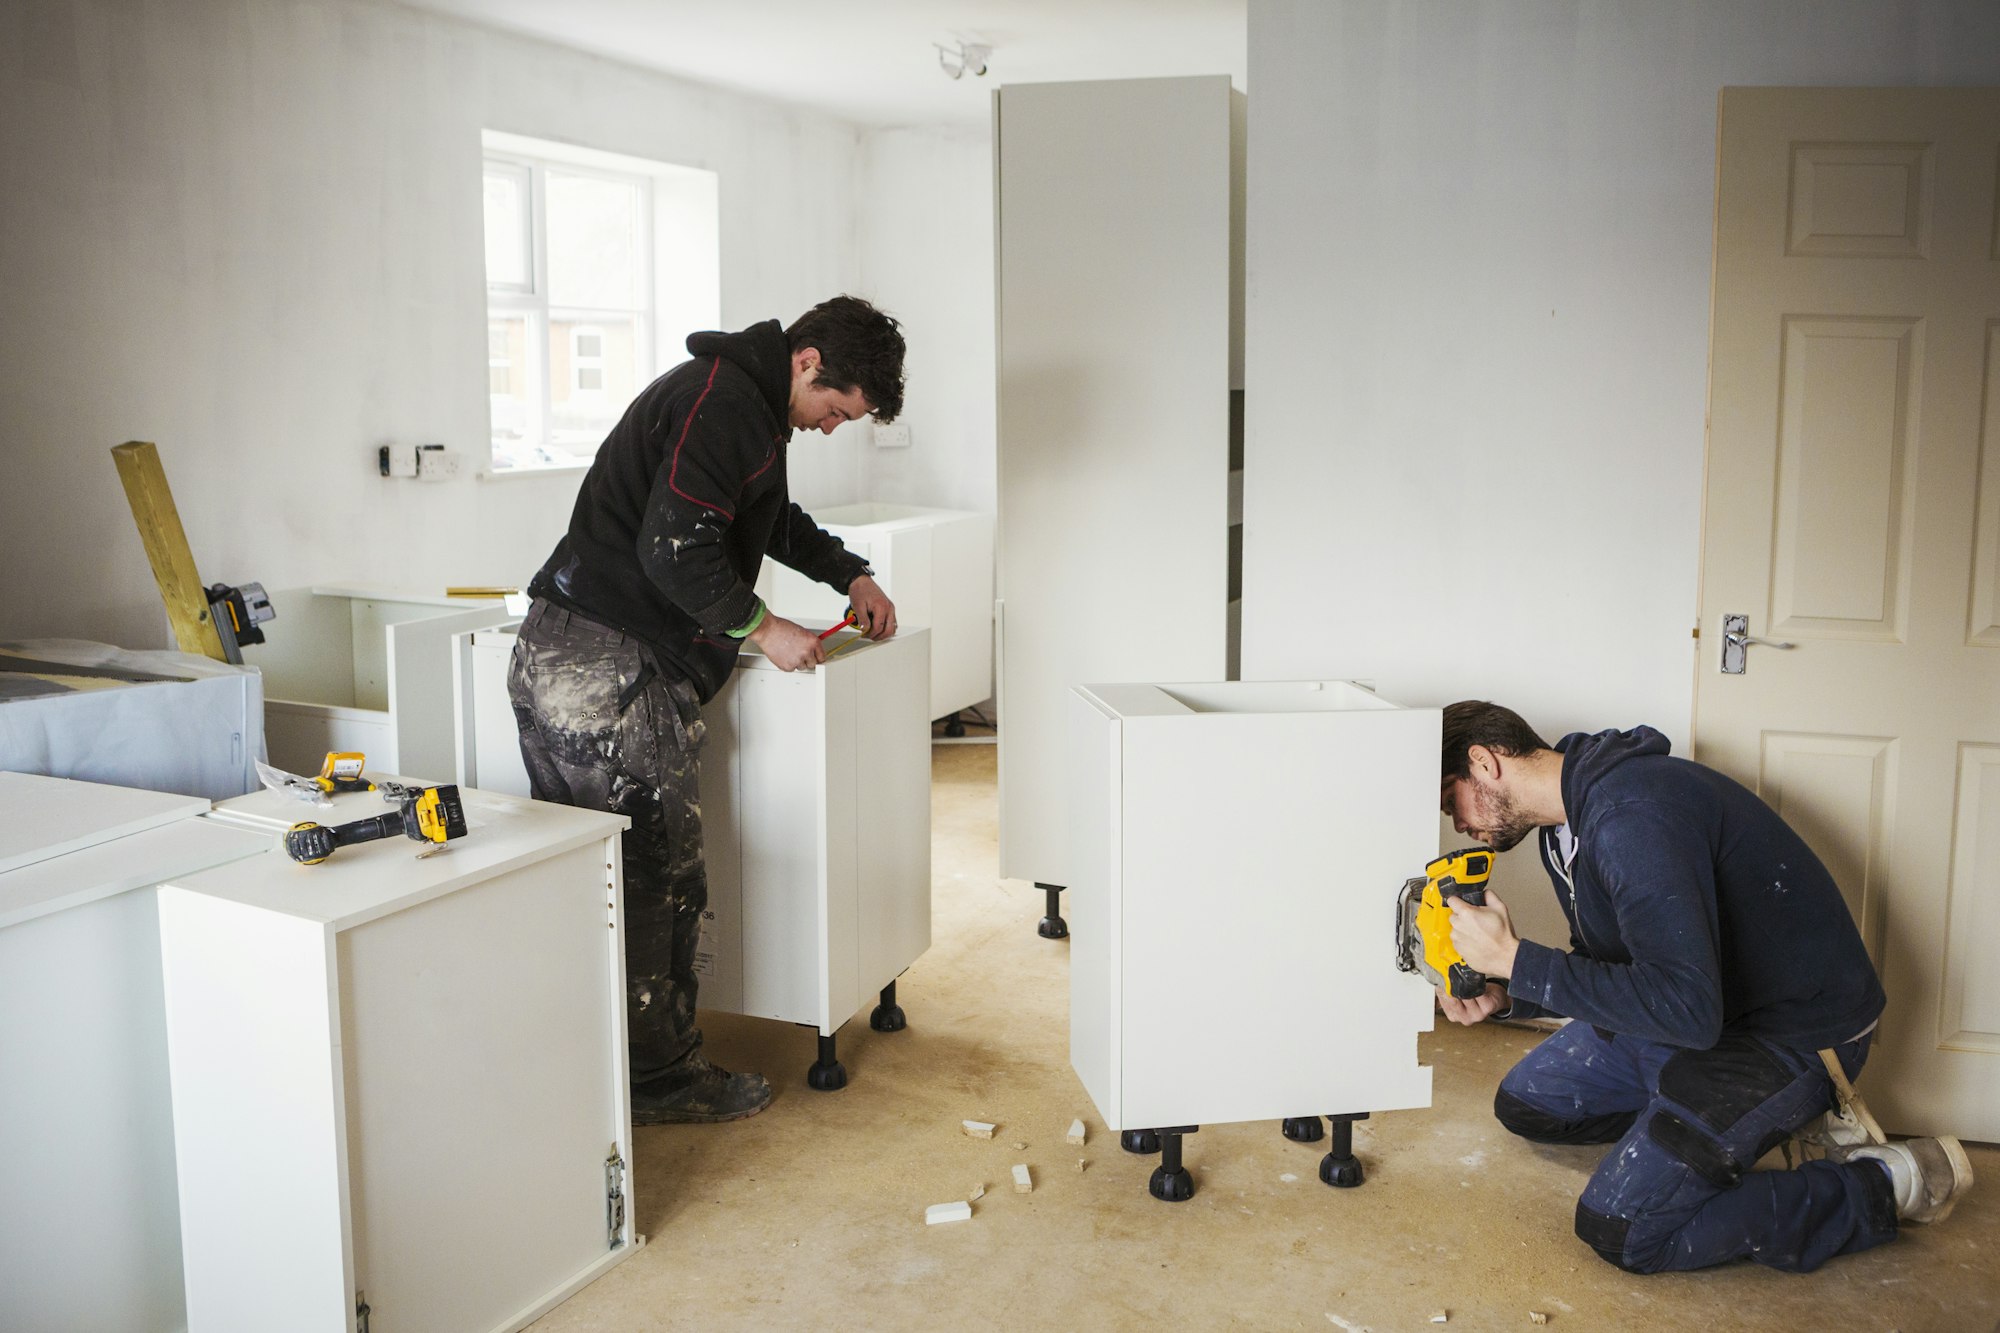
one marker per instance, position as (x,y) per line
(1118,336)
(399,1080)
(937,567)
(88,1202)
(815,796)
(1237,850)
(362,668)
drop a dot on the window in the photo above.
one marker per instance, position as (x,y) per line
(576,307)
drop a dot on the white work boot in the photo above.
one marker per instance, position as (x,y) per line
(1929,1175)
(1834,1132)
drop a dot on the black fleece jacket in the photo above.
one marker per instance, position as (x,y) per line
(1694,910)
(687,496)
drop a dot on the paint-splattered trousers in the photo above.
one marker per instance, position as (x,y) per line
(1677,1191)
(604,729)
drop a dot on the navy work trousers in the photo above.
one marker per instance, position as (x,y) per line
(1677,1191)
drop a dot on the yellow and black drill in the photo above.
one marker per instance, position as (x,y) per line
(1423,919)
(428,814)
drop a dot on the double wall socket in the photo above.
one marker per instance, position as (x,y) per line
(429,462)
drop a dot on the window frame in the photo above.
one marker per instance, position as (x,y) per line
(532,301)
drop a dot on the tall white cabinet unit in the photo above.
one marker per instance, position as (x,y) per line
(815,797)
(362,668)
(936,565)
(1119,310)
(1236,851)
(89,1219)
(399,1080)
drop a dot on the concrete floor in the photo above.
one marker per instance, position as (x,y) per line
(811,1214)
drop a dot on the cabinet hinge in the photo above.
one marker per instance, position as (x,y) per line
(614,1200)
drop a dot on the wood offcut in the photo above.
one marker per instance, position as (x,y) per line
(166,546)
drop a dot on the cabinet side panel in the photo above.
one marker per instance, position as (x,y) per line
(259,1146)
(718,962)
(1263,855)
(839,911)
(961,613)
(481,1076)
(1095,799)
(778,745)
(893,784)
(1114,266)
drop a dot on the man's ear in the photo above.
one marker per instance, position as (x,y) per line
(805,359)
(1482,762)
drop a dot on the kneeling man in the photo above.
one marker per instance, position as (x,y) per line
(1711,959)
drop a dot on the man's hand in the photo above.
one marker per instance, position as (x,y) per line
(1475,1010)
(1484,936)
(790,646)
(874,613)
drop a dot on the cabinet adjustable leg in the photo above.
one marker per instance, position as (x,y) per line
(1144,1142)
(1303,1129)
(954,727)
(1171,1180)
(888,1015)
(1340,1167)
(827,1073)
(1053,927)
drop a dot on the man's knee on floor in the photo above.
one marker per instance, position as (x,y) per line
(1531,1122)
(1612,1238)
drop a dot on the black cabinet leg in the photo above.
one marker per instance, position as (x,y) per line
(1171,1181)
(954,727)
(1340,1167)
(1144,1142)
(827,1073)
(1053,927)
(1303,1129)
(888,1015)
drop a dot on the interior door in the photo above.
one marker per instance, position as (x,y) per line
(1852,510)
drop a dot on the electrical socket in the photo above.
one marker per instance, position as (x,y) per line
(397,460)
(436,463)
(892,435)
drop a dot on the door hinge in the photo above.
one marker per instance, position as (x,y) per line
(614,1200)
(360,1313)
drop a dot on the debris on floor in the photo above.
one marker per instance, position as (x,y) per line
(1440,1317)
(978,1129)
(1079,1166)
(947,1212)
(1020,1147)
(1338,1322)
(978,1193)
(1075,1135)
(1288,1178)
(1537,1317)
(1023,1182)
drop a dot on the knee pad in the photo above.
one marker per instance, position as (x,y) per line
(1539,1126)
(1607,1235)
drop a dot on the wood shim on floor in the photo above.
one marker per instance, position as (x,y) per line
(947,1212)
(1075,1135)
(1023,1182)
(977,1129)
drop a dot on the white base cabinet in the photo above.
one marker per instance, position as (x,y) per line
(362,668)
(399,1080)
(815,794)
(88,1200)
(1237,849)
(936,565)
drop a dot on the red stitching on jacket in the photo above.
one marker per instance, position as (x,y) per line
(674,471)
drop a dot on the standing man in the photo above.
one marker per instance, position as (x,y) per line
(638,618)
(1711,960)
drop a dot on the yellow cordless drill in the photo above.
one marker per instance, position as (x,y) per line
(428,814)
(1423,919)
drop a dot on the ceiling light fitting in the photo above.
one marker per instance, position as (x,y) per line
(963,58)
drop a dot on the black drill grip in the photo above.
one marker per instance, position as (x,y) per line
(311,843)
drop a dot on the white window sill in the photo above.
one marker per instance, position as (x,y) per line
(490,473)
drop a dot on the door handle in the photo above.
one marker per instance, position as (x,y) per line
(1736,641)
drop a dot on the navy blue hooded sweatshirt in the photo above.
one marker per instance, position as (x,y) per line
(686,497)
(1694,910)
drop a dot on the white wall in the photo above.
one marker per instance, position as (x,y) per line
(249,230)
(927,257)
(1478,286)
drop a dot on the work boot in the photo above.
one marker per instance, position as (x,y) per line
(699,1093)
(1929,1175)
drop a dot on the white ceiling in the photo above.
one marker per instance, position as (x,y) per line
(871,61)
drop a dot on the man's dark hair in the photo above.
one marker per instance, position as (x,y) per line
(1474,722)
(859,348)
